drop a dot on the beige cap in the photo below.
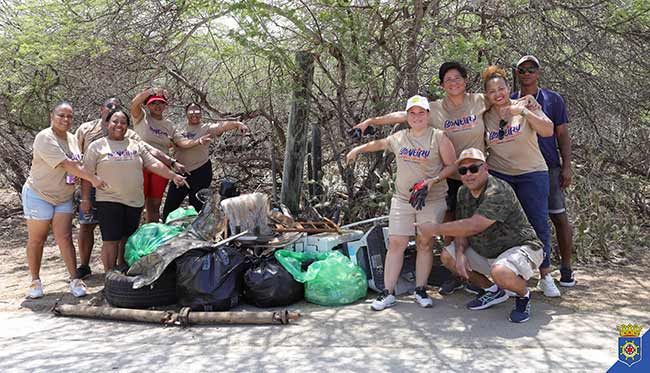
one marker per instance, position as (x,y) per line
(417,100)
(470,153)
(529,57)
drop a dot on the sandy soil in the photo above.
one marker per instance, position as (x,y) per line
(622,287)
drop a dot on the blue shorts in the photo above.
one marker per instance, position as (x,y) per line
(91,216)
(556,199)
(34,207)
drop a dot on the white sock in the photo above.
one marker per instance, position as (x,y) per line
(494,288)
(527,294)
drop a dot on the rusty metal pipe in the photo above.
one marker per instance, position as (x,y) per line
(184,317)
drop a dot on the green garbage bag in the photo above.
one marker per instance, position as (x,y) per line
(331,280)
(181,215)
(146,240)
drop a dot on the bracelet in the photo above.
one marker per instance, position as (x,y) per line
(84,200)
(173,162)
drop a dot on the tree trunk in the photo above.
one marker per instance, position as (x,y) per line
(412,84)
(298,128)
(316,161)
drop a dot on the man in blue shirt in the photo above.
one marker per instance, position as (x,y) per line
(528,72)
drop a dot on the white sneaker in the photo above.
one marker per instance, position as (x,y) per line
(547,285)
(383,301)
(78,288)
(35,289)
(422,298)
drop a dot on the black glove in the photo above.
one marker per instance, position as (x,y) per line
(418,195)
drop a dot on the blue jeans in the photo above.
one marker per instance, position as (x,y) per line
(532,190)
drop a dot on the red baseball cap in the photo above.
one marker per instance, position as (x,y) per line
(155,98)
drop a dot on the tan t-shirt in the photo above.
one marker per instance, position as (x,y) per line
(463,125)
(119,163)
(417,158)
(517,152)
(46,176)
(89,132)
(196,156)
(157,133)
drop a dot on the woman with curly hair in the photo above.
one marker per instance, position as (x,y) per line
(515,157)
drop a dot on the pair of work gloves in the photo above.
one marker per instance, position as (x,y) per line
(418,194)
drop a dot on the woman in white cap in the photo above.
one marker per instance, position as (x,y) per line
(425,156)
(158,132)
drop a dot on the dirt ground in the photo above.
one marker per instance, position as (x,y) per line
(622,288)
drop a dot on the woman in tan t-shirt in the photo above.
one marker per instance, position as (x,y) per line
(119,160)
(192,148)
(47,196)
(515,157)
(154,129)
(425,156)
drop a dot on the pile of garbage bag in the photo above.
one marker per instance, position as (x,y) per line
(191,263)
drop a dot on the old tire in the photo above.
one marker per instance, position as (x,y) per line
(119,292)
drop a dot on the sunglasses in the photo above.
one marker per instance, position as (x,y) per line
(472,169)
(112,106)
(502,130)
(194,112)
(530,70)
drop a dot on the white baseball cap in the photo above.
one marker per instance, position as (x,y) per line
(471,153)
(528,57)
(417,100)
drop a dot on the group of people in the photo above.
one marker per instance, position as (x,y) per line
(483,169)
(119,171)
(489,166)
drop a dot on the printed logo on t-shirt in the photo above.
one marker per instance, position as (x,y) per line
(461,124)
(508,133)
(188,135)
(158,131)
(122,155)
(73,156)
(414,154)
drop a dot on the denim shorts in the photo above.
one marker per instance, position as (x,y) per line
(556,199)
(34,207)
(91,216)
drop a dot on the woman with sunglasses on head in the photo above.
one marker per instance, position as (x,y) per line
(120,160)
(158,132)
(47,196)
(514,154)
(192,148)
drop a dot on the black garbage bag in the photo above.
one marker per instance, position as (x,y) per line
(268,284)
(210,280)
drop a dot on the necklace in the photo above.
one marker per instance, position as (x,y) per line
(536,94)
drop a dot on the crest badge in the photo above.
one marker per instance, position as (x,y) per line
(629,344)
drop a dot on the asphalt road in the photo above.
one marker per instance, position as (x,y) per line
(353,338)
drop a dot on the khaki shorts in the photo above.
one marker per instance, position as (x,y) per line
(522,260)
(403,216)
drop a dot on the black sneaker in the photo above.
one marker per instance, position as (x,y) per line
(450,286)
(487,300)
(422,298)
(521,312)
(82,272)
(473,289)
(566,278)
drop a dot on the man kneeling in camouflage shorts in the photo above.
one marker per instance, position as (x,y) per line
(493,238)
